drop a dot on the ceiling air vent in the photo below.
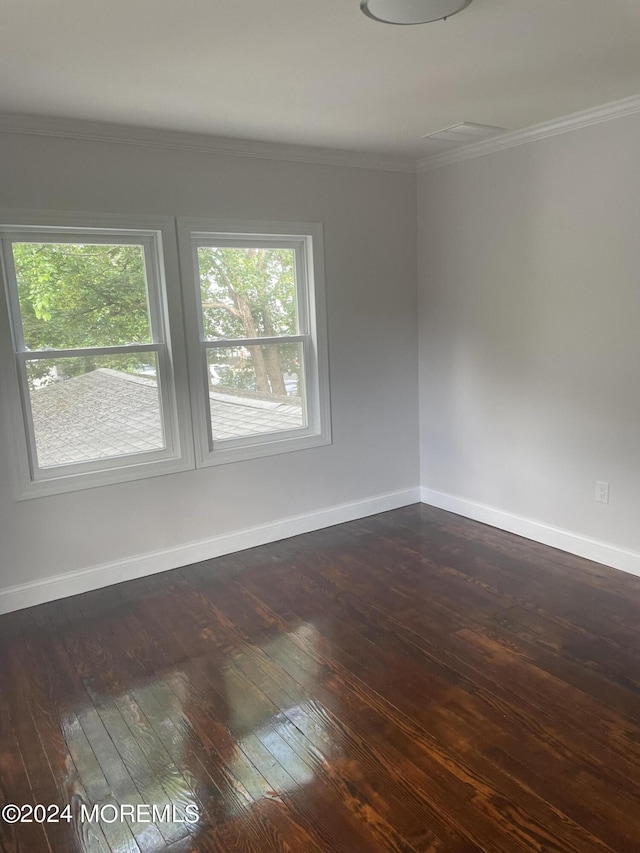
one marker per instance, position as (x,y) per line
(464,133)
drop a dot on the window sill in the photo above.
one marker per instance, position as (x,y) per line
(245,449)
(52,485)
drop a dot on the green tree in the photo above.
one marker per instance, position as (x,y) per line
(73,295)
(76,295)
(250,293)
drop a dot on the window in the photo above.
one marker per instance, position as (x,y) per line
(100,391)
(94,364)
(257,350)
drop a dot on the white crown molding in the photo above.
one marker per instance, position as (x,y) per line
(92,131)
(142,565)
(575,121)
(546,534)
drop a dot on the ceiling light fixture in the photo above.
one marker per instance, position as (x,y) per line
(412,11)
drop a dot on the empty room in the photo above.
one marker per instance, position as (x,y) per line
(320,426)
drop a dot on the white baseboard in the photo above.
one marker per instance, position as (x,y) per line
(73,583)
(556,537)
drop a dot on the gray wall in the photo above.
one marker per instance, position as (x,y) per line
(370,253)
(529,279)
(529,292)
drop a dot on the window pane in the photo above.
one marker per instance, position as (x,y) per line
(254,390)
(247,293)
(76,295)
(96,407)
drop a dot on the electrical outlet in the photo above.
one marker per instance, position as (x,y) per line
(602,492)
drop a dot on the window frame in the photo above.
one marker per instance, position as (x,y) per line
(157,236)
(306,239)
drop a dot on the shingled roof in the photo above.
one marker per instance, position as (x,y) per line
(108,413)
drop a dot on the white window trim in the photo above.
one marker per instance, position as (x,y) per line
(158,235)
(307,239)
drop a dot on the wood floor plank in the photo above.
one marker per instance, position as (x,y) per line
(15,787)
(306,667)
(234,715)
(412,682)
(415,711)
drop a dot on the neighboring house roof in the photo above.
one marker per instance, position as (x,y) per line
(108,413)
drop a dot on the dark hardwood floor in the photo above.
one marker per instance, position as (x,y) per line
(410,682)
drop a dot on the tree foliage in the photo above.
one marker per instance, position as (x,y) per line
(75,295)
(250,293)
(95,295)
(247,292)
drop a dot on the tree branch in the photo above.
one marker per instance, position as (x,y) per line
(225,305)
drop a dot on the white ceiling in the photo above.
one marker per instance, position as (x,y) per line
(315,72)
